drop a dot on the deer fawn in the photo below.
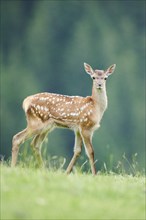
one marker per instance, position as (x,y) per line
(45,111)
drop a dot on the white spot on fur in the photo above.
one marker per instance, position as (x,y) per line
(85,119)
(45,116)
(42,99)
(63,114)
(46,109)
(38,107)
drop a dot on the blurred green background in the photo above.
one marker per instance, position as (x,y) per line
(43,47)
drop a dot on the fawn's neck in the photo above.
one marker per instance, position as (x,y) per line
(100,98)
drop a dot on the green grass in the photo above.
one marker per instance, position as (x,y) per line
(28,193)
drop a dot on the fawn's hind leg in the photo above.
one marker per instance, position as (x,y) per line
(18,139)
(36,145)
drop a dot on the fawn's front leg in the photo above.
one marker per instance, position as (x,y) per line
(89,149)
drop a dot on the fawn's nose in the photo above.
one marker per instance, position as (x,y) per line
(99,85)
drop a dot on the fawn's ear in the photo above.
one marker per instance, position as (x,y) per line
(88,69)
(111,69)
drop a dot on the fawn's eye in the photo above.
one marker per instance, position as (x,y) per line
(105,78)
(93,77)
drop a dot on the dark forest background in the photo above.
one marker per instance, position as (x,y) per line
(43,47)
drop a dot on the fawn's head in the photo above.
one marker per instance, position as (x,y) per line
(99,76)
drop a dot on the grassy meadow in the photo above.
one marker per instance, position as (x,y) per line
(28,193)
